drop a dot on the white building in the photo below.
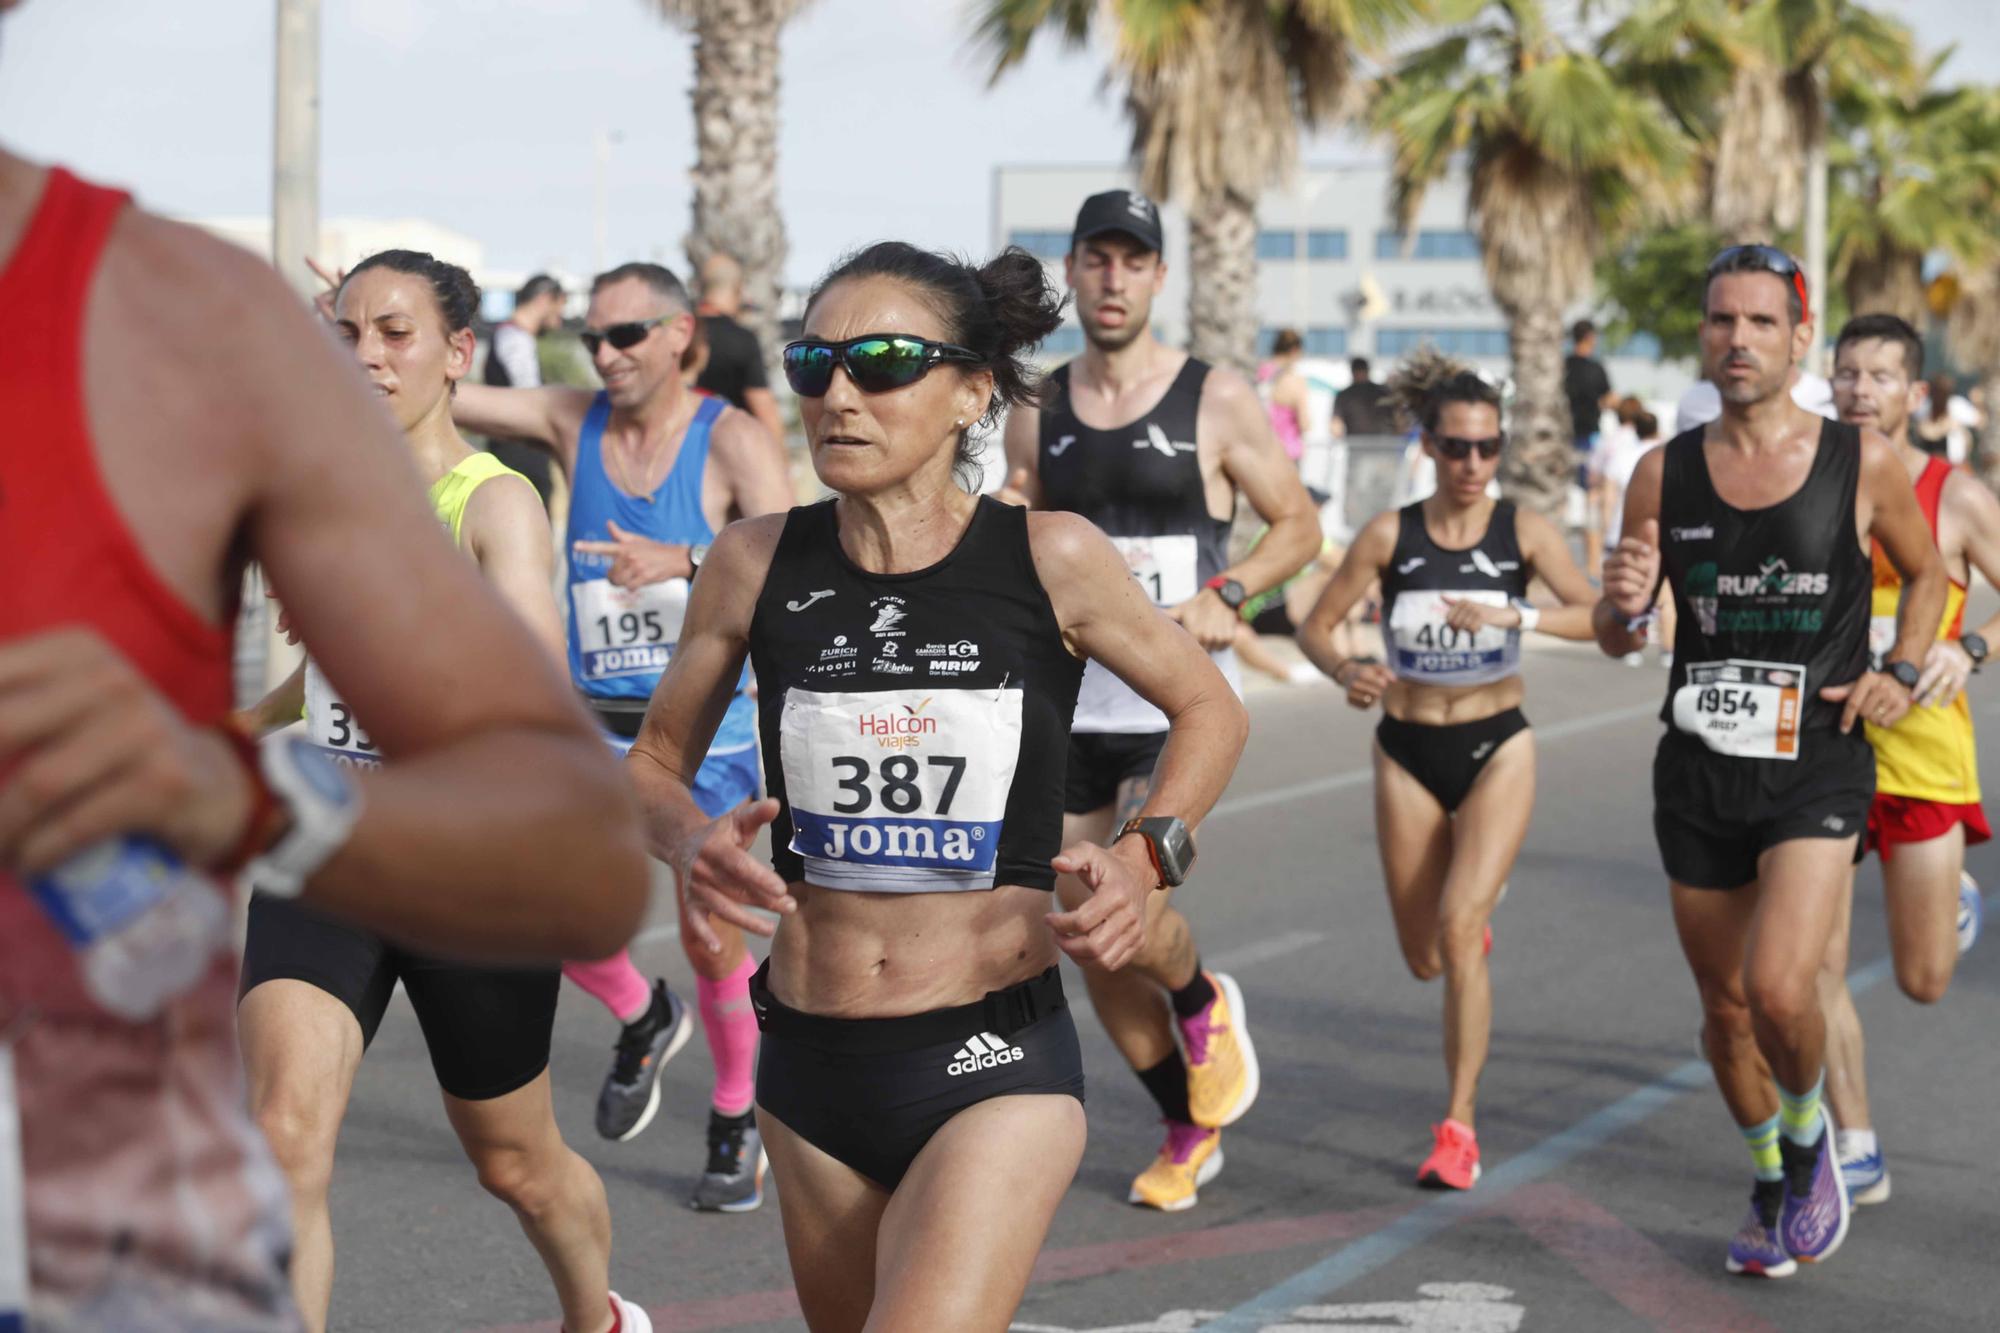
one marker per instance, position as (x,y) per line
(1331,265)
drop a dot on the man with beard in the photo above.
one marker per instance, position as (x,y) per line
(1152,445)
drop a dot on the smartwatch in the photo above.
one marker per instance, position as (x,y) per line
(1975,648)
(1905,675)
(1169,844)
(323,803)
(1229,590)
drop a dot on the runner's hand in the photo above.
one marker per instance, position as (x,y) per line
(1946,669)
(1367,682)
(90,749)
(1110,929)
(1206,616)
(721,879)
(637,561)
(1474,616)
(1874,696)
(1015,492)
(323,302)
(1632,571)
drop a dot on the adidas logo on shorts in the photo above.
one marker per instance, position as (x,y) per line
(984,1051)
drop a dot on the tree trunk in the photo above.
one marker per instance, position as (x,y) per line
(1758,168)
(1986,444)
(1540,463)
(736,151)
(1891,284)
(1222,280)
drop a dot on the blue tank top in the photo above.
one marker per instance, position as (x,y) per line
(620,640)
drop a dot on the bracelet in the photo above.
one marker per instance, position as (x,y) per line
(267,816)
(1531,616)
(1639,624)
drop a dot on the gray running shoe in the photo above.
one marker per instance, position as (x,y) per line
(631,1091)
(733,1181)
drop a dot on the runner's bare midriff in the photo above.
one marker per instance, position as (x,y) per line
(1450,705)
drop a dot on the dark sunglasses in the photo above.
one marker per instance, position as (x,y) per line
(876,362)
(621,336)
(1764,259)
(1457,448)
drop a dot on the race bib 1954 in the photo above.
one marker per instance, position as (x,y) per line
(1746,710)
(899,791)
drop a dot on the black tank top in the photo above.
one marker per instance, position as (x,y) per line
(1422,574)
(1773,602)
(915,726)
(1141,483)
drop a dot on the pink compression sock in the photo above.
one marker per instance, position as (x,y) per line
(615,983)
(731,1028)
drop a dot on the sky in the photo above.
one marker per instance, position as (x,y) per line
(481,116)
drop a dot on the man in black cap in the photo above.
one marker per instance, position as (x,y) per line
(1152,446)
(514,361)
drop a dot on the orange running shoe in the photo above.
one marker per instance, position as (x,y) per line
(1454,1160)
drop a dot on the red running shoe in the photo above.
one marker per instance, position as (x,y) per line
(1454,1160)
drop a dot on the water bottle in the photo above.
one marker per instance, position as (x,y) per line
(144,926)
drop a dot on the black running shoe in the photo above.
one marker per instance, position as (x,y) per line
(631,1092)
(733,1181)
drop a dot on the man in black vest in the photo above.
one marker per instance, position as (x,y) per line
(514,362)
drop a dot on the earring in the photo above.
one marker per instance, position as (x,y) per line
(961,423)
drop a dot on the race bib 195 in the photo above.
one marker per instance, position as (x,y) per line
(627,631)
(1746,710)
(1165,566)
(330,723)
(899,791)
(1426,647)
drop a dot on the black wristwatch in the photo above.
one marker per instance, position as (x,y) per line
(1168,842)
(1906,675)
(1229,590)
(1975,648)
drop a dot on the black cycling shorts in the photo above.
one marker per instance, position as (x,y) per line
(870,1092)
(1102,761)
(1447,760)
(488,1028)
(1714,815)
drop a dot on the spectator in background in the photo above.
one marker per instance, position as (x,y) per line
(735,366)
(1948,424)
(1588,389)
(1284,392)
(1612,449)
(514,361)
(1361,408)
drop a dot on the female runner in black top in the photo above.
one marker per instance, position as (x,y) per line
(1454,759)
(917,651)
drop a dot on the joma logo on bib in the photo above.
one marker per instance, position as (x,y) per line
(913,841)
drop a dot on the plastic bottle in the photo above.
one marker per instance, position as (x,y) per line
(144,926)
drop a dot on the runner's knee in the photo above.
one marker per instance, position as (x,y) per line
(301,1135)
(517,1177)
(1925,981)
(1462,938)
(1784,1002)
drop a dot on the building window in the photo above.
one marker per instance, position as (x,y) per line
(1066,341)
(1318,341)
(1041,244)
(1277,245)
(1452,342)
(1428,245)
(1328,245)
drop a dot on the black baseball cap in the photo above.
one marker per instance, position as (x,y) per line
(1125,211)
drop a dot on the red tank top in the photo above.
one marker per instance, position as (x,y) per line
(1930,493)
(150,1196)
(68,554)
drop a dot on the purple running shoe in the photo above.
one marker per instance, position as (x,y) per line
(1755,1250)
(1815,1213)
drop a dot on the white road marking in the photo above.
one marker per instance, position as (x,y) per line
(1446,1307)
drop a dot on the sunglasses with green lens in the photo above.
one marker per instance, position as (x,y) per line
(876,362)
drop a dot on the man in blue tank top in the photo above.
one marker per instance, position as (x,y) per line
(655,470)
(1763,779)
(1152,446)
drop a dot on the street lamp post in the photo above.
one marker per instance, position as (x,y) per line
(600,228)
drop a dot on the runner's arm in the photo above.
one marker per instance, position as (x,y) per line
(507,531)
(1105,617)
(284,705)
(1373,547)
(1896,521)
(1255,464)
(1023,443)
(1635,561)
(1547,554)
(549,417)
(754,461)
(1976,515)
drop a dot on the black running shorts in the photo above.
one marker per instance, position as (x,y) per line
(1447,760)
(1714,816)
(1101,761)
(488,1028)
(870,1092)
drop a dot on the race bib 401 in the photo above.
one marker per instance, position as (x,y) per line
(899,791)
(1746,710)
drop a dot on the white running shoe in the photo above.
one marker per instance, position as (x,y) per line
(1971,908)
(631,1319)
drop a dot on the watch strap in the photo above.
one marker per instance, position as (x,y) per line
(267,816)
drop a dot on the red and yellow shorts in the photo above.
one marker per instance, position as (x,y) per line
(1899,819)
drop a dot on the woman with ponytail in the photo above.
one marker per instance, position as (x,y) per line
(1454,758)
(918,649)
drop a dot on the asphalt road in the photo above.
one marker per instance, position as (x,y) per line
(1614,1176)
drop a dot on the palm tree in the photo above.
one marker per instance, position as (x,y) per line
(1908,181)
(1972,329)
(1565,159)
(1217,91)
(735,173)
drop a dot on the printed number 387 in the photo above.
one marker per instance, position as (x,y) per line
(897,786)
